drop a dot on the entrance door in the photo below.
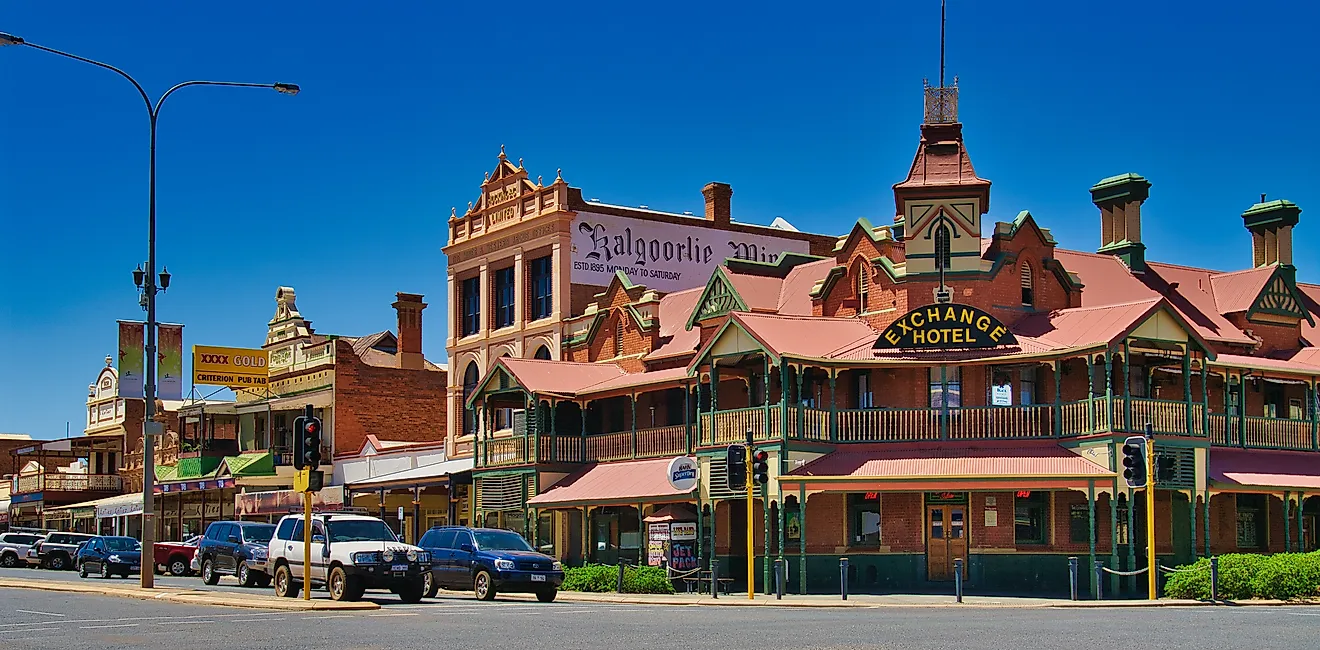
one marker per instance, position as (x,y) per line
(946,540)
(1309,540)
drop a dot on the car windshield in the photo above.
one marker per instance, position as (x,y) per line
(122,544)
(258,534)
(500,540)
(360,530)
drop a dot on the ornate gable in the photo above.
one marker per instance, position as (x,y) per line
(1280,297)
(719,298)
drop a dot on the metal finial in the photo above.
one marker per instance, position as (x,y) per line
(469,206)
(559,174)
(487,176)
(453,212)
(501,152)
(1262,197)
(538,181)
(520,163)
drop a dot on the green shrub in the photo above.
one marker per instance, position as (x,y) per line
(603,578)
(1282,576)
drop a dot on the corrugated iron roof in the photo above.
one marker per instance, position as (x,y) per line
(1237,291)
(1023,459)
(807,336)
(1080,326)
(1264,468)
(630,481)
(558,377)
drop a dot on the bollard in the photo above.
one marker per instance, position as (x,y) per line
(1099,580)
(1072,577)
(1214,579)
(779,578)
(957,578)
(714,579)
(1159,575)
(843,577)
(620,585)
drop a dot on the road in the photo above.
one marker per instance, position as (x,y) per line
(40,619)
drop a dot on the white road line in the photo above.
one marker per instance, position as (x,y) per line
(252,620)
(334,616)
(1304,613)
(31,629)
(29,611)
(102,627)
(171,623)
(387,615)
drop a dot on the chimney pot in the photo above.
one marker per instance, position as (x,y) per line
(719,196)
(1119,199)
(1271,224)
(409,308)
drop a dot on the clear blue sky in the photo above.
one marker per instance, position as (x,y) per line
(809,110)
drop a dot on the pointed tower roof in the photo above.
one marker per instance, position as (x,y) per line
(941,162)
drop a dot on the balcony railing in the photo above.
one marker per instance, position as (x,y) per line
(653,442)
(1164,416)
(504,451)
(1257,432)
(997,422)
(68,483)
(728,427)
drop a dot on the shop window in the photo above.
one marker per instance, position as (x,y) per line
(945,387)
(1295,410)
(1028,294)
(864,519)
(470,379)
(542,287)
(1275,402)
(1079,523)
(545,533)
(865,398)
(1251,523)
(1031,517)
(470,293)
(504,297)
(515,521)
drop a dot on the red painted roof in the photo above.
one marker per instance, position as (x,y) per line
(807,336)
(1311,331)
(795,295)
(628,481)
(760,292)
(559,377)
(653,378)
(1083,326)
(1019,458)
(1264,468)
(1237,291)
(1306,362)
(674,310)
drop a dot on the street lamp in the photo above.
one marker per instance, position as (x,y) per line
(149,283)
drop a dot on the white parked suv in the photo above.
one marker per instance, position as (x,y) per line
(350,554)
(14,548)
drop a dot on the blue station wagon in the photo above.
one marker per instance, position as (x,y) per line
(489,561)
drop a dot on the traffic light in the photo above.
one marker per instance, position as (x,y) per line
(1134,461)
(761,467)
(735,464)
(298,450)
(1166,468)
(311,437)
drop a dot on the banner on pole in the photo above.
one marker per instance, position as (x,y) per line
(169,372)
(131,377)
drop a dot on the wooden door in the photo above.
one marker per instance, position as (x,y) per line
(946,540)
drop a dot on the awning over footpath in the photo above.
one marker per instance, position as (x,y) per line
(117,506)
(628,482)
(433,474)
(673,512)
(283,502)
(1258,468)
(971,466)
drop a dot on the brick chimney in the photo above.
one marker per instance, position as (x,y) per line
(719,196)
(1119,199)
(409,307)
(1271,227)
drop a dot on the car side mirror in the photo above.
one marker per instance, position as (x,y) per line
(466,548)
(318,539)
(233,539)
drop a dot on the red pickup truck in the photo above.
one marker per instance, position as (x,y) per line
(176,557)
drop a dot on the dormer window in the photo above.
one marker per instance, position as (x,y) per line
(1028,293)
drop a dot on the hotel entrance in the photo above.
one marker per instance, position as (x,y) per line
(946,534)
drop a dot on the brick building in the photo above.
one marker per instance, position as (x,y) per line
(927,389)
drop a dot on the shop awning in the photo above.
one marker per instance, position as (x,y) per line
(1008,465)
(282,502)
(628,482)
(432,474)
(673,512)
(1259,468)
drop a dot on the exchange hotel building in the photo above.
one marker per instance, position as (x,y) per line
(926,392)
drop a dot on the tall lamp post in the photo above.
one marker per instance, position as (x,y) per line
(147,281)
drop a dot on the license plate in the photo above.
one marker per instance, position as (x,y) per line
(134,568)
(538,578)
(399,567)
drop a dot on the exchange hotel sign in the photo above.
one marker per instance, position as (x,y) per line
(232,367)
(940,327)
(663,256)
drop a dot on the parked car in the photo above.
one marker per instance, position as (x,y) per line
(350,554)
(109,555)
(57,550)
(14,548)
(175,557)
(236,548)
(489,561)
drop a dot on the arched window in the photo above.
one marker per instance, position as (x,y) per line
(542,352)
(470,378)
(863,285)
(1028,295)
(942,256)
(618,337)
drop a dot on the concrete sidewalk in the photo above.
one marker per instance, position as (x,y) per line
(865,601)
(191,597)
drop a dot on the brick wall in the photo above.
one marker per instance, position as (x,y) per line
(581,295)
(826,519)
(393,404)
(1273,337)
(8,463)
(999,536)
(902,522)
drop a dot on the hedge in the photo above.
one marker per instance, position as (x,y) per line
(605,578)
(1282,576)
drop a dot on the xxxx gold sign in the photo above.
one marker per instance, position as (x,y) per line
(945,327)
(232,367)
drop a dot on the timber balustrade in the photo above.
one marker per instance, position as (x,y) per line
(1259,432)
(68,483)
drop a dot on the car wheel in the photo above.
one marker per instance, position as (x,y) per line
(429,584)
(9,561)
(209,576)
(342,586)
(178,567)
(82,570)
(413,590)
(105,570)
(546,595)
(284,585)
(483,586)
(56,562)
(245,577)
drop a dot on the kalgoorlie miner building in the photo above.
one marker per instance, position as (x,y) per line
(928,389)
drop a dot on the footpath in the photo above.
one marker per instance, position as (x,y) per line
(190,596)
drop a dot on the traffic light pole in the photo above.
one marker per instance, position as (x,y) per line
(307,543)
(751,552)
(1150,514)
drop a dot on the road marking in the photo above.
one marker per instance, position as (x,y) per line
(102,627)
(29,611)
(335,616)
(181,622)
(398,614)
(1292,613)
(30,629)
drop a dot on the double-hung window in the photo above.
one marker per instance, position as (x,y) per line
(542,287)
(471,299)
(504,297)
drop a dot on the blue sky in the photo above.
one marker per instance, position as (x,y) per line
(809,110)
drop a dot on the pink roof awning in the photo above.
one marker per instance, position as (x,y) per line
(630,482)
(1265,468)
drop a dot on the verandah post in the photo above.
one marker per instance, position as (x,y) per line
(687,418)
(1131,537)
(802,539)
(554,437)
(765,402)
(1187,390)
(1109,392)
(1113,533)
(834,408)
(1127,386)
(802,411)
(1301,505)
(1058,397)
(944,402)
(1242,411)
(1090,507)
(582,454)
(1090,393)
(1205,517)
(1287,522)
(1314,406)
(632,403)
(1205,394)
(714,401)
(783,402)
(1191,517)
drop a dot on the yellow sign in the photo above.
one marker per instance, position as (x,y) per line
(233,367)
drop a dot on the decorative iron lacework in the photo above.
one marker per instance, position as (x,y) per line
(719,300)
(1278,298)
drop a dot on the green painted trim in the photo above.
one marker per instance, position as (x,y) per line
(1288,275)
(779,268)
(827,284)
(720,277)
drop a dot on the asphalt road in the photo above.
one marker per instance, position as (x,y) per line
(39,619)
